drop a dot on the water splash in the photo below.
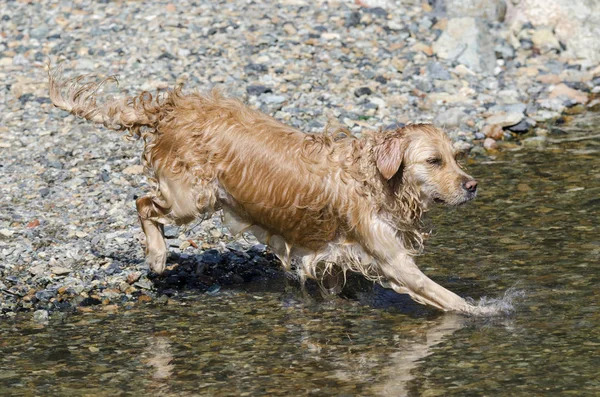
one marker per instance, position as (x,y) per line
(502,306)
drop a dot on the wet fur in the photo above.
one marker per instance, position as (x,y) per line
(325,204)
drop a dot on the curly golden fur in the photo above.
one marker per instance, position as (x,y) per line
(325,204)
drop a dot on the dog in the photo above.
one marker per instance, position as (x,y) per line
(325,204)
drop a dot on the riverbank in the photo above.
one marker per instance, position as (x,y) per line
(69,237)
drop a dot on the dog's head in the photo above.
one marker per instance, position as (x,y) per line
(421,155)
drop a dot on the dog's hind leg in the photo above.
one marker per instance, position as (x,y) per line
(152,217)
(178,201)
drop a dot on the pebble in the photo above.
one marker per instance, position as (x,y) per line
(362,91)
(59,270)
(41,316)
(490,144)
(273,99)
(535,142)
(544,40)
(493,131)
(523,126)
(505,119)
(562,90)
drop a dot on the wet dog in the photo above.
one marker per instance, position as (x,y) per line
(324,204)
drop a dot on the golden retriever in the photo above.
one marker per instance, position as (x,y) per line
(324,204)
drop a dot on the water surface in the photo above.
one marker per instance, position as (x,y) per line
(533,228)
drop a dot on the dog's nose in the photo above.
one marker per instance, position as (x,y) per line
(470,186)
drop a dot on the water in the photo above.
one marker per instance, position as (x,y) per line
(533,230)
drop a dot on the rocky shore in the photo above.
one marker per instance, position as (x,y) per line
(494,74)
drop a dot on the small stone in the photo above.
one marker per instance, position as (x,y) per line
(535,142)
(493,131)
(379,102)
(37,270)
(392,25)
(59,270)
(452,117)
(144,299)
(505,119)
(490,144)
(292,77)
(436,71)
(289,29)
(352,20)
(6,232)
(544,40)
(273,99)
(256,90)
(573,94)
(424,48)
(46,295)
(523,126)
(144,284)
(555,104)
(462,146)
(362,91)
(133,277)
(33,223)
(548,78)
(40,316)
(134,169)
(171,7)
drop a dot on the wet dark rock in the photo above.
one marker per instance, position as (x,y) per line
(353,19)
(362,91)
(25,98)
(256,67)
(258,89)
(114,268)
(90,302)
(381,80)
(523,126)
(47,294)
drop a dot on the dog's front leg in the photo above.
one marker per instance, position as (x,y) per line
(403,275)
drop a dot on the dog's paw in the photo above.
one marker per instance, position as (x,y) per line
(157,261)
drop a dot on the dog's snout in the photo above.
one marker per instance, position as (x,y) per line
(470,186)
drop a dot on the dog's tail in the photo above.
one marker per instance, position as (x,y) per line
(128,113)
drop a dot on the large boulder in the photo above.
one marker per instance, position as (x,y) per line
(576,23)
(467,41)
(493,10)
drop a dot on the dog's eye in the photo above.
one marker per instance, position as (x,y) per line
(436,161)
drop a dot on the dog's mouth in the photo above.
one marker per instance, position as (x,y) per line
(454,202)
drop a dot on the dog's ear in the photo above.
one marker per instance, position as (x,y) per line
(388,156)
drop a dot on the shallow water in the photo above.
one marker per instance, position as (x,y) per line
(533,229)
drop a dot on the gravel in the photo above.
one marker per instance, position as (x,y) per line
(69,235)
